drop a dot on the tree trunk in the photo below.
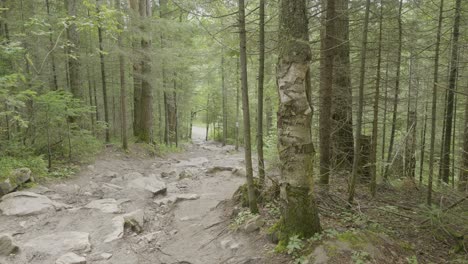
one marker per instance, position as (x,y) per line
(224,95)
(411,122)
(261,81)
(326,86)
(342,112)
(146,107)
(375,121)
(123,90)
(103,79)
(463,178)
(72,50)
(434,104)
(246,110)
(423,145)
(357,146)
(237,104)
(397,91)
(295,147)
(52,57)
(451,95)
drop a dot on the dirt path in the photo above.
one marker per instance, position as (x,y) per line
(171,208)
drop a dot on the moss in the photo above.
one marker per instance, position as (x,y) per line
(282,246)
(331,249)
(406,246)
(355,240)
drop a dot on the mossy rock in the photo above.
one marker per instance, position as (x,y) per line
(241,196)
(370,246)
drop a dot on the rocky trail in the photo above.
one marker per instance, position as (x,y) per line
(125,210)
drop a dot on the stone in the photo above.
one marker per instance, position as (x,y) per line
(71,258)
(60,243)
(134,220)
(27,203)
(112,186)
(151,236)
(185,174)
(240,172)
(254,224)
(216,169)
(105,256)
(22,175)
(7,246)
(165,174)
(194,162)
(109,175)
(176,198)
(105,205)
(149,184)
(132,176)
(7,187)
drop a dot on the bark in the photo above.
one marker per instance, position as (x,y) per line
(342,118)
(451,95)
(375,121)
(246,110)
(261,81)
(326,86)
(146,107)
(237,104)
(52,56)
(103,80)
(463,179)
(434,104)
(72,50)
(123,83)
(397,91)
(357,148)
(423,145)
(295,147)
(411,122)
(224,95)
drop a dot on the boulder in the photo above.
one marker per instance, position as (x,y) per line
(21,175)
(149,184)
(71,258)
(254,224)
(170,174)
(194,162)
(216,169)
(185,174)
(60,243)
(7,187)
(176,198)
(132,176)
(27,203)
(7,246)
(133,220)
(105,205)
(240,172)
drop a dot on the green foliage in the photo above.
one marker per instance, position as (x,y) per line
(295,244)
(360,257)
(242,218)
(271,150)
(412,260)
(37,165)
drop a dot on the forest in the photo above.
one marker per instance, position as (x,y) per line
(332,131)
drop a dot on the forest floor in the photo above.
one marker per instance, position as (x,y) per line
(186,223)
(137,209)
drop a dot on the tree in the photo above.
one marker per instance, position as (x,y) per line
(123,83)
(375,120)
(72,49)
(357,144)
(326,92)
(342,113)
(397,91)
(445,162)
(434,103)
(103,75)
(245,108)
(261,81)
(295,147)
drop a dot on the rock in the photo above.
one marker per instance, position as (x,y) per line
(185,174)
(7,187)
(106,256)
(165,174)
(71,258)
(149,184)
(254,224)
(132,176)
(90,167)
(194,162)
(105,205)
(240,172)
(27,203)
(216,169)
(59,243)
(112,186)
(109,175)
(176,198)
(22,175)
(7,246)
(151,236)
(134,220)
